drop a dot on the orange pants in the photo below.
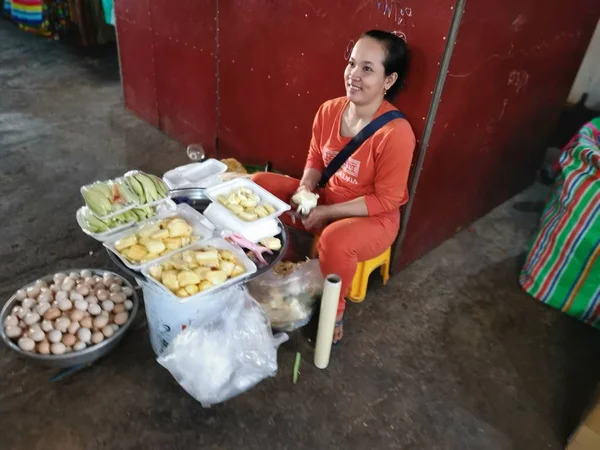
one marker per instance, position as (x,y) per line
(343,243)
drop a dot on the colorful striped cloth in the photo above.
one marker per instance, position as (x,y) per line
(45,17)
(563,264)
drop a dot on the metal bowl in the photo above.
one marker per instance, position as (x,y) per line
(82,357)
(193,196)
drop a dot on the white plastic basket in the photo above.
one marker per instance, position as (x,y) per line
(186,212)
(225,189)
(197,175)
(253,232)
(217,243)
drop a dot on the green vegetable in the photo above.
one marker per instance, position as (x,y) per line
(136,186)
(96,200)
(149,189)
(296,368)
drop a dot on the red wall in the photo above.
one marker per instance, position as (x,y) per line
(510,75)
(281,59)
(168,64)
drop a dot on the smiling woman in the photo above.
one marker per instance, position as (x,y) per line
(358,214)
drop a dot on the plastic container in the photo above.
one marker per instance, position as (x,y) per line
(164,207)
(251,231)
(217,243)
(227,188)
(186,212)
(196,175)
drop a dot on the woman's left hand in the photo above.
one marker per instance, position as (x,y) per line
(317,218)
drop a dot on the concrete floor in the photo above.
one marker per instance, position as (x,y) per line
(450,355)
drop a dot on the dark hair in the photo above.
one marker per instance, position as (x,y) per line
(396,59)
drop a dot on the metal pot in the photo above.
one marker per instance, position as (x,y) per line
(82,357)
(193,196)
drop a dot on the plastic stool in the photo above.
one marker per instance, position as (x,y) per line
(358,290)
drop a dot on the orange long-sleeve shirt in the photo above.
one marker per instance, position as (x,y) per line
(378,170)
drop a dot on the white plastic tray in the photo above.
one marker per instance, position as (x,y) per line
(265,197)
(165,206)
(254,233)
(216,243)
(186,212)
(198,175)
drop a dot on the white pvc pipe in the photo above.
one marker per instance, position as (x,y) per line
(329,305)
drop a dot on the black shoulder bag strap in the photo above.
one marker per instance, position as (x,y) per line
(355,143)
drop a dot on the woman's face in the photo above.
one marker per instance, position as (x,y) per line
(364,76)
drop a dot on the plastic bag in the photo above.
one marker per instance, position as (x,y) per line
(289,296)
(221,356)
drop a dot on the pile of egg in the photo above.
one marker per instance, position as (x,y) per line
(74,311)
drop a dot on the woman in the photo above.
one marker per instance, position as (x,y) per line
(358,209)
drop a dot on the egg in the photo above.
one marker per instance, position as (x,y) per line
(117,297)
(114,288)
(100,322)
(121,318)
(33,291)
(62,295)
(108,305)
(119,308)
(55,336)
(13,332)
(45,297)
(53,313)
(128,305)
(73,327)
(37,335)
(21,294)
(85,273)
(89,282)
(11,321)
(81,305)
(31,318)
(58,348)
(74,275)
(84,335)
(102,294)
(42,308)
(74,296)
(43,347)
(65,305)
(92,299)
(127,291)
(108,331)
(47,326)
(26,344)
(69,340)
(62,323)
(79,346)
(94,310)
(59,277)
(68,284)
(28,303)
(41,284)
(97,337)
(22,312)
(77,315)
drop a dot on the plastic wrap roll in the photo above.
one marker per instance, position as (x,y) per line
(329,305)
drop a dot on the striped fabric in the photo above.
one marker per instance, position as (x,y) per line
(563,264)
(27,12)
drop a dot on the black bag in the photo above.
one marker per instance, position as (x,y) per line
(355,143)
